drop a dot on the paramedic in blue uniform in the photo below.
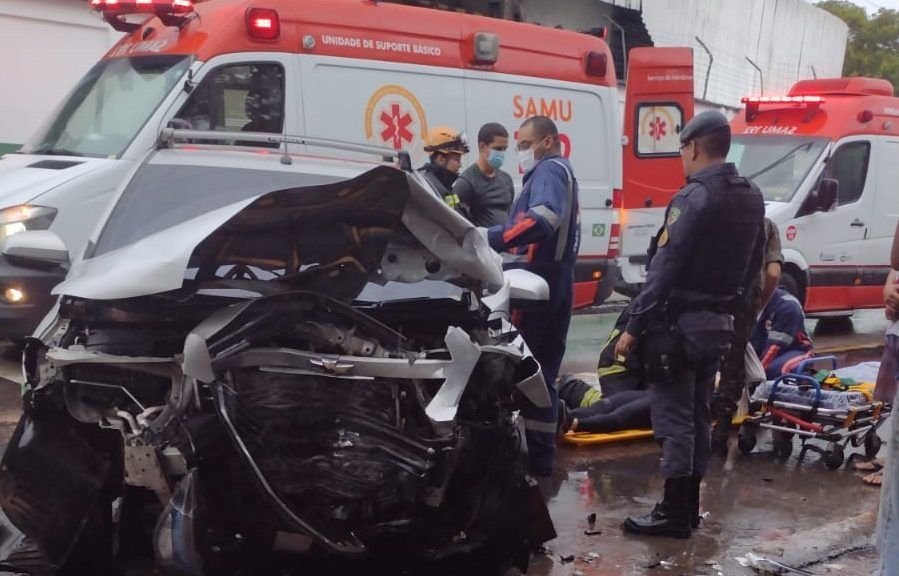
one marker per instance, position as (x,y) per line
(543,230)
(707,256)
(779,337)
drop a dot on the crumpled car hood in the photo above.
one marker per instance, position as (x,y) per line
(333,237)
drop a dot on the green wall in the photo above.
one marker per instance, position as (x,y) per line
(4,147)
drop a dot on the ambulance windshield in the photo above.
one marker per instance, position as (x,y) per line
(777,164)
(109,106)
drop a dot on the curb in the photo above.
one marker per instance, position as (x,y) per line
(831,541)
(849,348)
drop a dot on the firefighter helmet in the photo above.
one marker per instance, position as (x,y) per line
(446,140)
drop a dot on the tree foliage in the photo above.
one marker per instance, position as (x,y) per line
(873,48)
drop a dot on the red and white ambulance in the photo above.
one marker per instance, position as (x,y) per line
(826,157)
(350,70)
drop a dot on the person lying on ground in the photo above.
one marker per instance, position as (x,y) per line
(779,337)
(592,412)
(619,403)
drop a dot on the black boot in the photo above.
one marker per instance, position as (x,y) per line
(671,517)
(695,518)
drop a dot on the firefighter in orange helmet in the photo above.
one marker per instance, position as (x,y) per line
(445,147)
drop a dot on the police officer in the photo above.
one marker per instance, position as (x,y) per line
(707,255)
(542,228)
(445,147)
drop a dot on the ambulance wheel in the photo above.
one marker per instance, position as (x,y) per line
(783,444)
(834,457)
(873,444)
(746,439)
(790,283)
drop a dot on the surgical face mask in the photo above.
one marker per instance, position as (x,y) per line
(526,159)
(496,158)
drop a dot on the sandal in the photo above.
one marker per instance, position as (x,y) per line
(867,466)
(874,479)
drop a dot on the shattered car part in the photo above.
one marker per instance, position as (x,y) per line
(325,371)
(143,469)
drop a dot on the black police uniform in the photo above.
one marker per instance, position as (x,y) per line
(706,257)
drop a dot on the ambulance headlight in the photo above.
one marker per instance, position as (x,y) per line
(17,219)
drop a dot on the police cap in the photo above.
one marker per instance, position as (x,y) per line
(702,124)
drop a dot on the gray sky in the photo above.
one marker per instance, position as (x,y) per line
(873,5)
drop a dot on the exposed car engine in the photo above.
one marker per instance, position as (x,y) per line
(271,416)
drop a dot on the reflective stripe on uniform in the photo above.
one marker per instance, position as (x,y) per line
(781,337)
(565,225)
(452,200)
(538,426)
(591,397)
(544,212)
(610,370)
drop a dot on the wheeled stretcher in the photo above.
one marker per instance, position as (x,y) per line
(796,405)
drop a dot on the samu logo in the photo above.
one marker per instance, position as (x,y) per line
(395,117)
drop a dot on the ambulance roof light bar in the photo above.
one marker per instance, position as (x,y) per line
(754,104)
(170,12)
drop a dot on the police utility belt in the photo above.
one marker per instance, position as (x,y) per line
(694,331)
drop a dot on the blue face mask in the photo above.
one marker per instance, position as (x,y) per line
(496,158)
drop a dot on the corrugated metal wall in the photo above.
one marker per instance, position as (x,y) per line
(788,39)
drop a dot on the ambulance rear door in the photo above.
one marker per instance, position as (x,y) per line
(658,102)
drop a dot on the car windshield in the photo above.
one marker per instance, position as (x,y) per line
(160,196)
(109,106)
(777,165)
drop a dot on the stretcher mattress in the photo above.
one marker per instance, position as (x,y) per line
(805,396)
(589,439)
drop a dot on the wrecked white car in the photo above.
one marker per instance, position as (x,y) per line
(271,364)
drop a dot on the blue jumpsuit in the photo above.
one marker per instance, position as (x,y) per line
(543,228)
(779,336)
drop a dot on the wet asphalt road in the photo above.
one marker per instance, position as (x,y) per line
(763,505)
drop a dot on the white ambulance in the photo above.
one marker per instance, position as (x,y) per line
(320,69)
(826,157)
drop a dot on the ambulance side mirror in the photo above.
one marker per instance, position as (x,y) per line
(827,193)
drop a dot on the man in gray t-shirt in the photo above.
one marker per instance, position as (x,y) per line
(484,190)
